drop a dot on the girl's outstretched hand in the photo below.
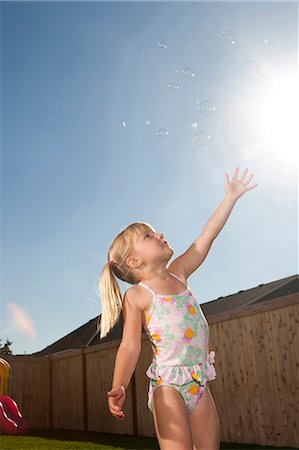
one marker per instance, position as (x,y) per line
(236,188)
(116,398)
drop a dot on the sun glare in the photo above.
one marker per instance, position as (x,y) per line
(278,118)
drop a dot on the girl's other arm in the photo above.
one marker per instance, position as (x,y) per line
(129,350)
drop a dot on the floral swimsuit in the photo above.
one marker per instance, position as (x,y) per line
(179,335)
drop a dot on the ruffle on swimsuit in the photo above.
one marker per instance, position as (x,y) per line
(201,372)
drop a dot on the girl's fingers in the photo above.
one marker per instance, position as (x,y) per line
(244,175)
(118,414)
(248,181)
(114,397)
(115,409)
(235,175)
(251,187)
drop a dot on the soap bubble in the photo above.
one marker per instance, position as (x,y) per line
(162,44)
(229,37)
(162,133)
(165,115)
(147,122)
(194,125)
(124,124)
(173,86)
(188,73)
(206,107)
(250,69)
(201,138)
(240,121)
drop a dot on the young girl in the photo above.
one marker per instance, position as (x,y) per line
(160,300)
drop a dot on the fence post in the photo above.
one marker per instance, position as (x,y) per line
(84,391)
(51,391)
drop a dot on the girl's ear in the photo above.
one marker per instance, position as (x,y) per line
(132,262)
(129,262)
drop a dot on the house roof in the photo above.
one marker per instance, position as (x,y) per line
(86,335)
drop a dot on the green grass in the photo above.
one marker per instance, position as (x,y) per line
(77,440)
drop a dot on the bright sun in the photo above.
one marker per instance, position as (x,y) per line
(278,117)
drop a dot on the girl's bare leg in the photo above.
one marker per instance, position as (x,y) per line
(204,423)
(171,419)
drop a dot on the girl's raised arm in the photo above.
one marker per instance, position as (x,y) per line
(194,256)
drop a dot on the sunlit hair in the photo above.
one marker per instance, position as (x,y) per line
(121,247)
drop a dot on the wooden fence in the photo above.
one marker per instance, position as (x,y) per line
(256,391)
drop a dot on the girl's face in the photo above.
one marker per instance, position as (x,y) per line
(152,247)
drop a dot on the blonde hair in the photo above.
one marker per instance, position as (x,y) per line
(121,247)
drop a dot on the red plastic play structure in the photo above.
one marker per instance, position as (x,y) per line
(11,419)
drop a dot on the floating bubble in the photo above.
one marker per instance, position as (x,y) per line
(162,133)
(188,73)
(229,37)
(147,122)
(162,44)
(194,125)
(250,69)
(206,107)
(173,86)
(240,121)
(201,138)
(124,124)
(265,41)
(165,115)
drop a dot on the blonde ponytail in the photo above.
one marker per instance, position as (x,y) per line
(111,301)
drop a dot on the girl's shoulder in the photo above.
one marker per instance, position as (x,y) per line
(139,296)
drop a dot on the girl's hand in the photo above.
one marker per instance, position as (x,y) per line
(116,398)
(236,187)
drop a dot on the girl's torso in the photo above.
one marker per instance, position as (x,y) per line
(175,325)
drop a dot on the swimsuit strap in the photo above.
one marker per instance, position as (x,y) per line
(153,291)
(179,279)
(147,287)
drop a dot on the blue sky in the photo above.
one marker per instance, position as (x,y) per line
(74,175)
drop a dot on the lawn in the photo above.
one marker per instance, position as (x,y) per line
(71,440)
